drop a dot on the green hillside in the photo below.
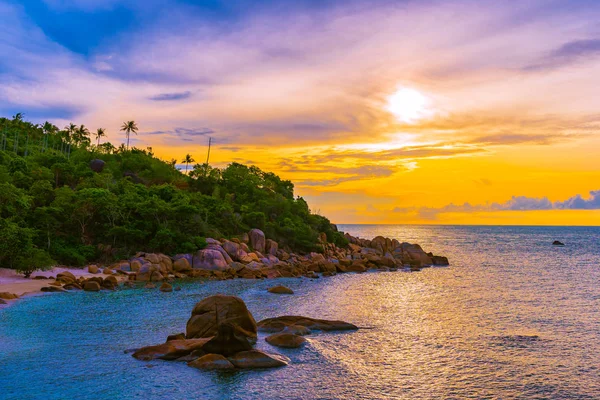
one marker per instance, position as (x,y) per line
(54,208)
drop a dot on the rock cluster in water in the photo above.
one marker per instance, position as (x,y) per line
(221,332)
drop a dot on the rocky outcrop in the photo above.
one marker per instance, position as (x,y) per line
(229,328)
(209,313)
(278,324)
(286,340)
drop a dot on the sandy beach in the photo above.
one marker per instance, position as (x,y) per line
(12,282)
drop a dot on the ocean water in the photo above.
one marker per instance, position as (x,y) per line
(513,317)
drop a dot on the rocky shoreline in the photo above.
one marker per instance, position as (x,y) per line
(250,256)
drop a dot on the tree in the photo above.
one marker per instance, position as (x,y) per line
(129,127)
(187,160)
(100,132)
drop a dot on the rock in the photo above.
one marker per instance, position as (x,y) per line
(97,165)
(258,359)
(170,350)
(278,324)
(52,289)
(356,267)
(177,336)
(229,309)
(182,265)
(129,284)
(110,282)
(149,285)
(440,261)
(212,362)
(3,301)
(66,277)
(135,265)
(271,247)
(93,269)
(297,330)
(286,340)
(557,243)
(177,288)
(166,287)
(257,240)
(108,271)
(281,290)
(72,286)
(230,339)
(91,286)
(210,259)
(8,296)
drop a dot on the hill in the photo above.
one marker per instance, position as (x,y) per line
(65,200)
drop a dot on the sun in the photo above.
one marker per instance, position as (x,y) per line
(408,105)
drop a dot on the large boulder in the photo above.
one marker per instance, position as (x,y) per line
(286,340)
(91,286)
(8,296)
(278,324)
(210,259)
(211,362)
(258,359)
(182,265)
(271,247)
(257,240)
(209,313)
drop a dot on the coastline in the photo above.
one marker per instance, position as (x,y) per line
(253,257)
(12,282)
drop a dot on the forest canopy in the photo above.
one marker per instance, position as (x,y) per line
(59,205)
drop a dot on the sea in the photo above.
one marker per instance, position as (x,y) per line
(512,317)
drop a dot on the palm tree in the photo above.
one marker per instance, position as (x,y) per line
(100,132)
(129,127)
(187,160)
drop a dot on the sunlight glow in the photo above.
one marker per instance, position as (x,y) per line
(408,105)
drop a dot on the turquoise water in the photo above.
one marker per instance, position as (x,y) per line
(512,317)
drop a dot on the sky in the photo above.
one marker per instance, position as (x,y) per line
(425,112)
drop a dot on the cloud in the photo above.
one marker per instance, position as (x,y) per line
(171,96)
(346,174)
(516,203)
(180,132)
(568,53)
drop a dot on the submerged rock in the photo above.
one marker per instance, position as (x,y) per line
(286,340)
(209,313)
(258,359)
(281,290)
(278,324)
(557,243)
(212,362)
(166,287)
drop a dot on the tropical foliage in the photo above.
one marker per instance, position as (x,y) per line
(55,209)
